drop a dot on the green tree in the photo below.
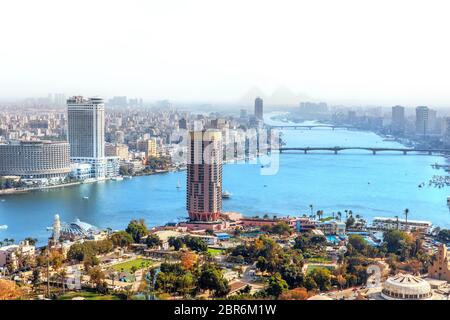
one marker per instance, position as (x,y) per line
(281,228)
(90,261)
(96,276)
(211,278)
(31,241)
(276,285)
(196,244)
(322,277)
(176,242)
(36,278)
(349,222)
(137,229)
(122,239)
(395,241)
(293,275)
(153,241)
(185,283)
(444,235)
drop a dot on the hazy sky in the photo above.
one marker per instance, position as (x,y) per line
(340,51)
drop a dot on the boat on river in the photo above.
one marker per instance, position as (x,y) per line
(226,195)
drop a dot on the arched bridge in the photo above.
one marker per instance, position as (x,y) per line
(373,150)
(301,127)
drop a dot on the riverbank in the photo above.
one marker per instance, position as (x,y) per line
(13,191)
(25,190)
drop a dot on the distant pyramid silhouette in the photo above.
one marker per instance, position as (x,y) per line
(282,96)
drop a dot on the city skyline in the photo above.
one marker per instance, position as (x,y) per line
(357,61)
(243,152)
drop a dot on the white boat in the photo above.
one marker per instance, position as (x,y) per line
(90,180)
(127,177)
(3,227)
(85,198)
(178,184)
(119,178)
(389,138)
(226,195)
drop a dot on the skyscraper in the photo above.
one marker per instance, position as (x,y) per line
(182,123)
(398,119)
(432,121)
(446,135)
(259,108)
(204,175)
(422,120)
(86,132)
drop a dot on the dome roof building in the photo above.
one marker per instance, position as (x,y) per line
(406,287)
(77,230)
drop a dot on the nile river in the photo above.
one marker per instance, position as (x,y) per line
(370,185)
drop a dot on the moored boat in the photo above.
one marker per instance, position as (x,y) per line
(226,195)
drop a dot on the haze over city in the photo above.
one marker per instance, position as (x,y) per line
(346,52)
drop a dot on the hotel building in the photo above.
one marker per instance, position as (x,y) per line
(381,223)
(35,159)
(86,133)
(204,175)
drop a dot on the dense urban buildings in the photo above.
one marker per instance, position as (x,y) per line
(204,175)
(35,159)
(150,140)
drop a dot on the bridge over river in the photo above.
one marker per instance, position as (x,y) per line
(312,126)
(372,149)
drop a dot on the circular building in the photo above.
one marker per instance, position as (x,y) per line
(77,230)
(406,287)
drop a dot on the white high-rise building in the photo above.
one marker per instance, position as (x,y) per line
(86,133)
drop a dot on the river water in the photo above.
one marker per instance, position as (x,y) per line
(369,185)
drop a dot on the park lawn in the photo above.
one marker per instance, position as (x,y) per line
(88,296)
(126,266)
(215,252)
(319,260)
(311,267)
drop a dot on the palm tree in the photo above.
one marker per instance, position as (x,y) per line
(339,215)
(311,207)
(320,214)
(63,274)
(406,215)
(7,241)
(397,221)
